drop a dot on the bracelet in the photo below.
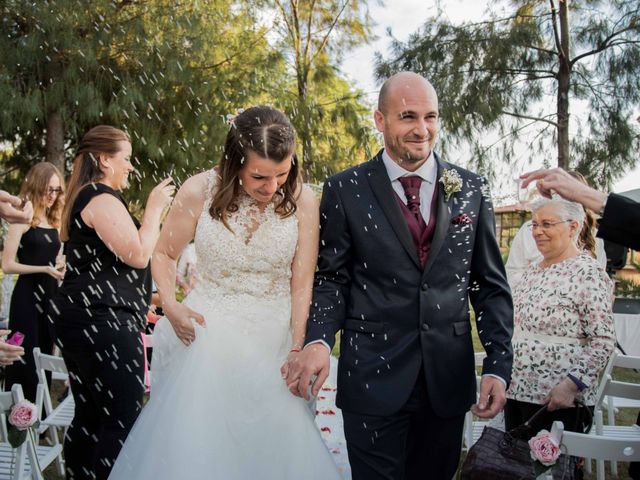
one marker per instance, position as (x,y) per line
(295,350)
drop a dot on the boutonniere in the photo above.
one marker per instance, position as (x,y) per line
(462,219)
(452,182)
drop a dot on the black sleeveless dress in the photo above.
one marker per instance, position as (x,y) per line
(29,305)
(99,314)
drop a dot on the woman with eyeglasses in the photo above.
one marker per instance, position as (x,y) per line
(523,251)
(32,251)
(563,323)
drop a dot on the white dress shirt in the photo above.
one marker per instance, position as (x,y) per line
(428,171)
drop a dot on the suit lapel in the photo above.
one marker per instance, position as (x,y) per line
(443,217)
(381,186)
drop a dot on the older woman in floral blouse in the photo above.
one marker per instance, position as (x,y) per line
(564,332)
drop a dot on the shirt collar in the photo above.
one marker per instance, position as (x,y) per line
(427,171)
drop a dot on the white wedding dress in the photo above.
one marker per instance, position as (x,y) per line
(219,408)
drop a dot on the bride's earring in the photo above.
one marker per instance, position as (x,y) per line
(113,172)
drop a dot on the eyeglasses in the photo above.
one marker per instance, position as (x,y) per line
(546,225)
(54,191)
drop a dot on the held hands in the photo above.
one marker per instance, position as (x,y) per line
(181,318)
(300,367)
(9,353)
(491,399)
(562,395)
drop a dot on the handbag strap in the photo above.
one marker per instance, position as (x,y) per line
(526,426)
(580,406)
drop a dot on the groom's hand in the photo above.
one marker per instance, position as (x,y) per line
(313,360)
(491,399)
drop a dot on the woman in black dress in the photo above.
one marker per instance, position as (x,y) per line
(31,251)
(101,305)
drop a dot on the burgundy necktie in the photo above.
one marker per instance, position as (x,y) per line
(411,186)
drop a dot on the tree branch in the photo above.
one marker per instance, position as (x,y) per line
(325,39)
(528,117)
(554,23)
(605,44)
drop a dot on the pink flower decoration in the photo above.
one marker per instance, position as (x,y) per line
(23,415)
(16,339)
(544,449)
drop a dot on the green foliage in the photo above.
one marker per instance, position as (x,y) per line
(166,72)
(169,73)
(500,81)
(627,288)
(328,114)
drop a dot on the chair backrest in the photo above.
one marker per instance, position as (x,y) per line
(597,446)
(47,363)
(28,448)
(625,361)
(616,360)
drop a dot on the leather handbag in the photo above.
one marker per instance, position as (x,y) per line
(499,455)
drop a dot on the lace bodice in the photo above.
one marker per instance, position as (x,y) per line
(254,258)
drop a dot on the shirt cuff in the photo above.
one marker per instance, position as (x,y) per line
(319,341)
(579,383)
(496,376)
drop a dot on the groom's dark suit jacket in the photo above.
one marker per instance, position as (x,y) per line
(394,316)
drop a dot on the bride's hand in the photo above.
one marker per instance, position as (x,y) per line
(181,318)
(284,369)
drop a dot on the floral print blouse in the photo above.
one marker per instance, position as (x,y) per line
(563,325)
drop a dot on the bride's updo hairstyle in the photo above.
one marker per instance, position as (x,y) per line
(268,133)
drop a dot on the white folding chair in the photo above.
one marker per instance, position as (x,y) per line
(18,463)
(60,416)
(600,447)
(613,404)
(622,392)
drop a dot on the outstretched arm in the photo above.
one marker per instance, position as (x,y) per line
(558,181)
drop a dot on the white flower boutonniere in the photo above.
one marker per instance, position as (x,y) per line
(452,182)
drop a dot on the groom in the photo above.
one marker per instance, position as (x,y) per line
(407,240)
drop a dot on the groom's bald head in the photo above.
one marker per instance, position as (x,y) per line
(403,82)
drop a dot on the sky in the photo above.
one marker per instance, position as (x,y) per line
(404,17)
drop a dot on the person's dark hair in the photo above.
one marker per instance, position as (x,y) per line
(268,133)
(36,189)
(586,239)
(102,139)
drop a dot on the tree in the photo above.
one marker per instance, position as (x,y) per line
(166,72)
(314,34)
(519,73)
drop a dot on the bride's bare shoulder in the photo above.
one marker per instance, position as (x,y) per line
(196,188)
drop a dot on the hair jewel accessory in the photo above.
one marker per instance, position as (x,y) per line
(232,116)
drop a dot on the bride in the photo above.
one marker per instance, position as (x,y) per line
(219,407)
